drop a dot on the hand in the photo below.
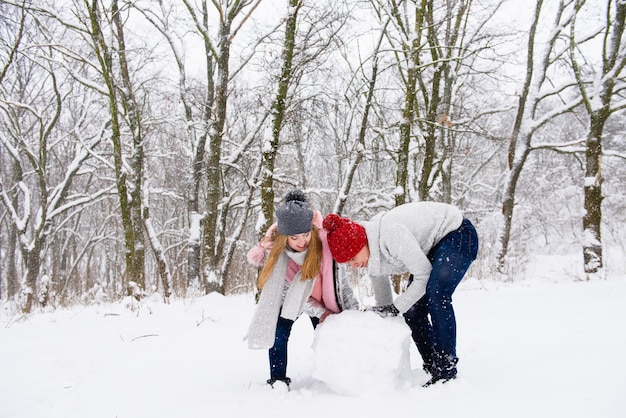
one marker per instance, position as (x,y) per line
(384,310)
(325,315)
(267,242)
(272,231)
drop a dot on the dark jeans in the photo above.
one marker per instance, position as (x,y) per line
(436,337)
(278,353)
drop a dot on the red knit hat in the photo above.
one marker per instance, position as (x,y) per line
(345,238)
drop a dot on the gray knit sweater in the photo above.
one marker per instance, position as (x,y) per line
(399,241)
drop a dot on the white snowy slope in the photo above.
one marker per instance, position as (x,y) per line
(528,349)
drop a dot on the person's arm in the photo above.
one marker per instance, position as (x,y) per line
(316,309)
(383,296)
(404,247)
(419,266)
(382,290)
(412,294)
(256,255)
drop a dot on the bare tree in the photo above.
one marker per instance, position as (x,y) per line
(198,132)
(120,96)
(270,149)
(39,193)
(363,104)
(231,16)
(359,142)
(311,35)
(12,26)
(437,47)
(602,90)
(534,109)
(409,23)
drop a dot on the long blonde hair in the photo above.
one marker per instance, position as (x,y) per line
(312,262)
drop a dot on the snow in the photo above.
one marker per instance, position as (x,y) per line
(195,222)
(382,367)
(543,346)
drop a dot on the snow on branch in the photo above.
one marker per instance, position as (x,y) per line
(557,111)
(574,147)
(20,223)
(79,201)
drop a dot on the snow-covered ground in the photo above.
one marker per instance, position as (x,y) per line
(535,348)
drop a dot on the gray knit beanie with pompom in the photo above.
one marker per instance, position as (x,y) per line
(294,215)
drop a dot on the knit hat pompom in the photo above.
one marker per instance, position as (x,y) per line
(294,215)
(345,238)
(331,222)
(295,195)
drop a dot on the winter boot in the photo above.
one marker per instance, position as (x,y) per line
(436,379)
(428,368)
(443,368)
(285,380)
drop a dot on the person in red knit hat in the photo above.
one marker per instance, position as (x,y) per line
(436,245)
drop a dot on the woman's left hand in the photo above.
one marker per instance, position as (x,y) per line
(325,315)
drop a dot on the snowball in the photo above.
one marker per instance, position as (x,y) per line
(360,352)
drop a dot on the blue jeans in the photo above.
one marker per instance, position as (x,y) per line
(278,353)
(435,338)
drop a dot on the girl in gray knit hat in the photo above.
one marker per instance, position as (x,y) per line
(297,276)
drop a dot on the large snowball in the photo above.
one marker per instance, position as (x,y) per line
(360,352)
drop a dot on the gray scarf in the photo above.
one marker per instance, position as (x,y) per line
(261,333)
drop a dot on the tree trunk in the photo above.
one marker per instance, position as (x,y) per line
(129,103)
(347,182)
(210,257)
(597,100)
(13,282)
(159,255)
(519,146)
(104,55)
(592,219)
(32,259)
(455,26)
(10,266)
(411,63)
(508,201)
(194,261)
(270,150)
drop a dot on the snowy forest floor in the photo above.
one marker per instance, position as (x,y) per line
(534,348)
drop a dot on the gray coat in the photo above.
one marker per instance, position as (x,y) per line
(290,300)
(278,296)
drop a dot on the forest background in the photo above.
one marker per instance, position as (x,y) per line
(144,144)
